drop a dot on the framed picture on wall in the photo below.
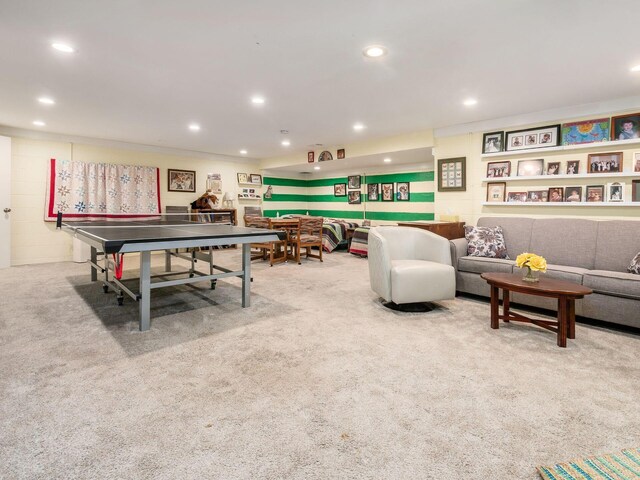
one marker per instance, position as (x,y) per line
(492,142)
(556,194)
(402,191)
(573,194)
(539,137)
(311,157)
(537,196)
(635,190)
(496,192)
(625,127)
(182,181)
(387,192)
(530,168)
(615,192)
(255,178)
(340,153)
(339,189)
(586,131)
(452,175)
(636,162)
(354,181)
(604,162)
(517,197)
(243,178)
(498,169)
(373,192)
(354,197)
(553,168)
(595,193)
(573,167)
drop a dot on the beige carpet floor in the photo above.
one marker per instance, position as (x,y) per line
(316,380)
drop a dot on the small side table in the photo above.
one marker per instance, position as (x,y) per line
(566,293)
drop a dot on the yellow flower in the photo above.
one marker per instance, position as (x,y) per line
(523,258)
(538,263)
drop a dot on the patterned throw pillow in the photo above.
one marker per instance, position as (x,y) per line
(485,242)
(634,267)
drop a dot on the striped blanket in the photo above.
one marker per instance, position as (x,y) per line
(334,233)
(360,242)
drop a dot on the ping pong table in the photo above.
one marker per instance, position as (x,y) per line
(143,236)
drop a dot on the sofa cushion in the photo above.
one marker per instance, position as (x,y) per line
(484,264)
(421,281)
(634,266)
(561,272)
(617,243)
(485,242)
(516,231)
(565,241)
(613,283)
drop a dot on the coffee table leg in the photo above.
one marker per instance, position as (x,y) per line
(562,321)
(495,294)
(571,318)
(505,305)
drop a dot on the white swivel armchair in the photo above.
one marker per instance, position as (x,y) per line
(410,265)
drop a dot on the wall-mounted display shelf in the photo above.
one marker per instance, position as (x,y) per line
(562,177)
(251,197)
(561,204)
(582,146)
(248,184)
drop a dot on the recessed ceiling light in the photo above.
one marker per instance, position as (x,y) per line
(63,47)
(257,100)
(636,68)
(46,100)
(358,127)
(243,152)
(39,123)
(194,127)
(470,102)
(286,143)
(316,168)
(387,160)
(374,51)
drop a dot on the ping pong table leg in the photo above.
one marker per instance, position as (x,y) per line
(145,290)
(94,261)
(167,260)
(246,274)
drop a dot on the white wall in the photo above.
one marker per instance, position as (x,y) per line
(37,241)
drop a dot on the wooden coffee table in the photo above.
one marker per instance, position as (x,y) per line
(565,292)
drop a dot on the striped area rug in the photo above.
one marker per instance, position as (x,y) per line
(615,466)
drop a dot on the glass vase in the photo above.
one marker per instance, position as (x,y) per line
(531,276)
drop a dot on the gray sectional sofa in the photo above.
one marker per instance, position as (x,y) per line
(593,253)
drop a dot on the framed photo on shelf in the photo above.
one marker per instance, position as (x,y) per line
(402,191)
(181,180)
(573,194)
(586,131)
(530,168)
(615,192)
(537,195)
(517,197)
(255,178)
(340,153)
(243,178)
(354,181)
(354,197)
(556,194)
(604,162)
(498,169)
(635,190)
(373,192)
(452,175)
(539,137)
(311,157)
(553,168)
(636,162)
(492,142)
(625,127)
(496,192)
(339,189)
(387,192)
(573,167)
(595,193)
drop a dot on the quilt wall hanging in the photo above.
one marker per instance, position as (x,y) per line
(89,191)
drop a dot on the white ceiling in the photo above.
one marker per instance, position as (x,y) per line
(145,69)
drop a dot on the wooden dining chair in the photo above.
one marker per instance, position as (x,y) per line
(310,236)
(276,250)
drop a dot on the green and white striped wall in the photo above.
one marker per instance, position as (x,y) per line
(316,197)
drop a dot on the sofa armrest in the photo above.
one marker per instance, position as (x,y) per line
(458,250)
